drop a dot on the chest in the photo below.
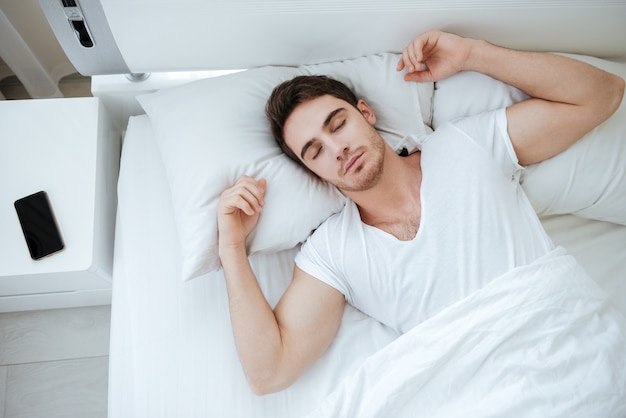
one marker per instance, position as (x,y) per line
(404,272)
(405,229)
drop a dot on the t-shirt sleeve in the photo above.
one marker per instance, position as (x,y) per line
(315,259)
(489,131)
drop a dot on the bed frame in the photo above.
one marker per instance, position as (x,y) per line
(145,45)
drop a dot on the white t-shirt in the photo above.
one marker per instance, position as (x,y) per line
(476,224)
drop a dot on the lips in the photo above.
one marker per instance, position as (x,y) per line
(352,163)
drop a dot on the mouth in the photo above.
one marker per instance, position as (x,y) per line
(352,163)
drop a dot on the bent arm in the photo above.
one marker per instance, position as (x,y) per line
(274,346)
(569,97)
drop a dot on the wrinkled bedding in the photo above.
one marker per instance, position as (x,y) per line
(542,340)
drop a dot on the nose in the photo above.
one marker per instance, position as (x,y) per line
(342,152)
(338,147)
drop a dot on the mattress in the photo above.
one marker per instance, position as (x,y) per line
(172,349)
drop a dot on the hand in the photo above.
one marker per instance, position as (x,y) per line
(443,54)
(238,210)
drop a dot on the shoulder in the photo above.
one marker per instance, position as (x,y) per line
(321,255)
(483,125)
(478,128)
(336,222)
(489,131)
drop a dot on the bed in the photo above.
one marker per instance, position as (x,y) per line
(554,346)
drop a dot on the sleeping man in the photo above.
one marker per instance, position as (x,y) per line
(419,232)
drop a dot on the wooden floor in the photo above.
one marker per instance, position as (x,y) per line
(54,363)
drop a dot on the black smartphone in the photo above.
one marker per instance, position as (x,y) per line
(39,225)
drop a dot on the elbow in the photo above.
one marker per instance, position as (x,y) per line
(607,99)
(262,386)
(258,391)
(621,86)
(261,390)
(265,388)
(615,94)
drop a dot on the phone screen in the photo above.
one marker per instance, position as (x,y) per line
(39,225)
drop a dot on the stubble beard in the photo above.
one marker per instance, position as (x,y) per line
(368,175)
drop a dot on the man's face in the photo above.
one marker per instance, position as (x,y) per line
(337,142)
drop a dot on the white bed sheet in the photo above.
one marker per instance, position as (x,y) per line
(542,340)
(172,351)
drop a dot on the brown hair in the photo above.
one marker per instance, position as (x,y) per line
(288,95)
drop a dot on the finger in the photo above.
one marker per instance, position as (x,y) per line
(411,56)
(245,206)
(420,76)
(250,180)
(245,200)
(262,183)
(256,187)
(232,201)
(230,204)
(239,198)
(253,199)
(406,58)
(256,192)
(417,53)
(400,65)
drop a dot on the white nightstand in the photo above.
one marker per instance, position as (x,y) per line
(70,149)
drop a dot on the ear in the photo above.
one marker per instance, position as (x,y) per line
(366,111)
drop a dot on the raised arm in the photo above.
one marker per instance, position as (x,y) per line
(569,97)
(275,347)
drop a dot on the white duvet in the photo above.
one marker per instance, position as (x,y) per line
(541,341)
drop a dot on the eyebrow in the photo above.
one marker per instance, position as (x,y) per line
(327,121)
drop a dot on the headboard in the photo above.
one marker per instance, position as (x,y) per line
(104,38)
(140,36)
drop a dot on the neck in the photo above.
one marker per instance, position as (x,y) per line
(397,193)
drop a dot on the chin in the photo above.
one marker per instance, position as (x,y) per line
(364,180)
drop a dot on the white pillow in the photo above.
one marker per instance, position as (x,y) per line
(470,93)
(588,179)
(212,131)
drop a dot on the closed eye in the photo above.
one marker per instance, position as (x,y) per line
(338,127)
(327,122)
